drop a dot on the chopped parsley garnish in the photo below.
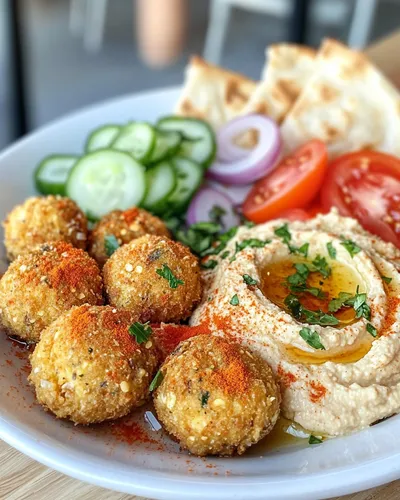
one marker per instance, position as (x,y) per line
(216,214)
(284,233)
(312,338)
(225,254)
(350,246)
(297,282)
(249,223)
(221,242)
(312,317)
(141,331)
(339,302)
(371,330)
(210,264)
(205,396)
(321,265)
(250,243)
(158,378)
(197,241)
(167,274)
(234,300)
(357,301)
(314,439)
(386,279)
(249,280)
(361,307)
(303,250)
(319,318)
(331,250)
(206,227)
(110,244)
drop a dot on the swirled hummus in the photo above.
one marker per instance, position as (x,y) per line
(320,301)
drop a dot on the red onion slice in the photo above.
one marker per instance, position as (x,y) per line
(236,193)
(258,161)
(204,201)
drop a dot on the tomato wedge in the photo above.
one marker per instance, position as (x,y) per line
(294,214)
(366,185)
(293,184)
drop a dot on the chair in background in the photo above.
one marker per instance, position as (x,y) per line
(88,19)
(324,11)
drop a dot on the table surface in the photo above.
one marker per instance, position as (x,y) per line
(23,478)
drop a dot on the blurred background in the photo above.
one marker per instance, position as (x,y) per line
(78,52)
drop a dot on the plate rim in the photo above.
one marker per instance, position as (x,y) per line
(169,486)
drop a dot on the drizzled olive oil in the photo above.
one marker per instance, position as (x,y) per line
(341,279)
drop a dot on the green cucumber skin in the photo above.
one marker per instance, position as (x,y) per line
(171,152)
(159,207)
(93,216)
(210,159)
(44,187)
(179,207)
(87,148)
(144,160)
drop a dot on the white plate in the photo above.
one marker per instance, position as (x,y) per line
(158,469)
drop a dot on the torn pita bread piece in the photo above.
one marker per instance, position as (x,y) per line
(347,103)
(213,94)
(288,67)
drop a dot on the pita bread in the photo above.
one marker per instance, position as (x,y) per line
(347,103)
(287,69)
(212,93)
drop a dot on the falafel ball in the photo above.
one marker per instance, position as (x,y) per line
(88,368)
(42,284)
(42,219)
(216,397)
(125,227)
(156,278)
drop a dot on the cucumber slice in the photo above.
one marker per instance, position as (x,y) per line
(167,144)
(189,177)
(51,174)
(102,137)
(137,139)
(161,182)
(106,180)
(199,143)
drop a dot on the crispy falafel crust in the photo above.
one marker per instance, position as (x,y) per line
(42,219)
(132,279)
(216,397)
(125,226)
(42,284)
(88,368)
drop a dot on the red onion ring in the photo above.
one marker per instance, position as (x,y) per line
(203,202)
(258,161)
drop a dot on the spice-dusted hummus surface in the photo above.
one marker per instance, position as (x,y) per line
(319,301)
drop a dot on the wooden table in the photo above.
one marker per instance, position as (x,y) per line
(22,478)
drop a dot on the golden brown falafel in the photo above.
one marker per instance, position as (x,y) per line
(156,278)
(42,219)
(88,368)
(42,284)
(216,397)
(125,226)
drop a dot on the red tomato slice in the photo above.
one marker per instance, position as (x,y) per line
(293,184)
(294,214)
(366,185)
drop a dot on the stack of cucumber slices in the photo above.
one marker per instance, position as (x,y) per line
(157,167)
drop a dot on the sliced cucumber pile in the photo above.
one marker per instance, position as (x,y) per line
(198,142)
(135,164)
(52,173)
(102,138)
(105,180)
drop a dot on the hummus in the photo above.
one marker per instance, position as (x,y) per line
(331,333)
